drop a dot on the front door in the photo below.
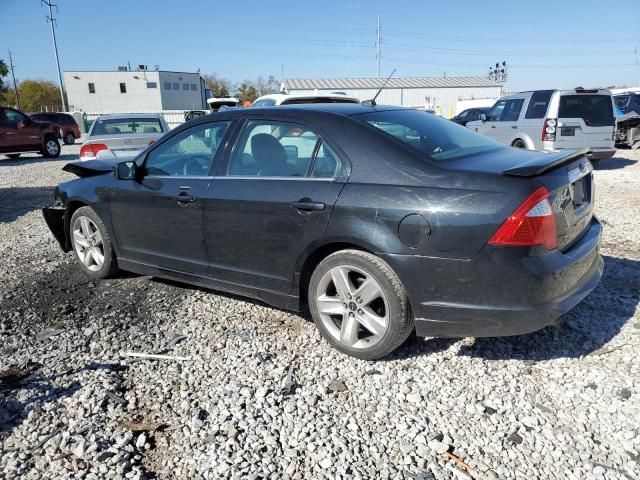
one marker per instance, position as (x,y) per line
(271,203)
(158,220)
(21,133)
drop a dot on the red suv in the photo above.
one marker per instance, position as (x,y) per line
(20,134)
(70,129)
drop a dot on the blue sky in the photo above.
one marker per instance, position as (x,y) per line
(576,43)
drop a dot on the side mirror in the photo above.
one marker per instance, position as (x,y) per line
(483,117)
(126,170)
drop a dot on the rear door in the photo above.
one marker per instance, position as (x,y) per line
(270,202)
(507,126)
(585,120)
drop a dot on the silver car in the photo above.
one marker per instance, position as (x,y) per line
(112,137)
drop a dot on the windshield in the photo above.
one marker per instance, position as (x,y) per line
(127,126)
(439,139)
(595,110)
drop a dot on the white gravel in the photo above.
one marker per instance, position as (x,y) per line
(263,396)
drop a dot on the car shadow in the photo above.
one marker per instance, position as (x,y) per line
(613,163)
(10,162)
(15,202)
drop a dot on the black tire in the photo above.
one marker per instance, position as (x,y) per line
(519,144)
(51,147)
(13,156)
(110,266)
(400,318)
(69,138)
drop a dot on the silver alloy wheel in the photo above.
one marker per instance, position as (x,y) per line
(52,147)
(88,244)
(353,307)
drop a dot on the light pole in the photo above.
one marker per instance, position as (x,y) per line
(51,21)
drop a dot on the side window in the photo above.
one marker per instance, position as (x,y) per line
(273,149)
(511,111)
(538,104)
(14,117)
(326,164)
(190,153)
(496,111)
(464,114)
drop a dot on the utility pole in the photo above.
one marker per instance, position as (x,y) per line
(52,21)
(15,85)
(378,54)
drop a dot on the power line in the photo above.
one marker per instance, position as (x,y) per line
(15,85)
(52,22)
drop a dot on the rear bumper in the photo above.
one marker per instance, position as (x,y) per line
(501,291)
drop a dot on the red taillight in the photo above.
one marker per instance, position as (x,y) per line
(531,224)
(92,149)
(549,127)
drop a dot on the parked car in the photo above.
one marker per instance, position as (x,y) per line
(552,120)
(21,134)
(382,220)
(274,99)
(628,102)
(115,136)
(70,129)
(469,115)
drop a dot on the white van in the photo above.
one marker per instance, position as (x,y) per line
(553,120)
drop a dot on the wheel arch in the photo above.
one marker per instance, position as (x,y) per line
(308,263)
(525,138)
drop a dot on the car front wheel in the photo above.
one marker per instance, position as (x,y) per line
(359,304)
(51,148)
(92,244)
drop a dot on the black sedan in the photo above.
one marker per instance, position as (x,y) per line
(380,220)
(469,115)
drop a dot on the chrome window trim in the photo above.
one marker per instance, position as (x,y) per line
(255,177)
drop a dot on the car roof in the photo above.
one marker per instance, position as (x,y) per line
(281,97)
(124,116)
(345,109)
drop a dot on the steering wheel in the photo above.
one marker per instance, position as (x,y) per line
(196,165)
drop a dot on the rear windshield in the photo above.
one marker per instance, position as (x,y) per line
(439,139)
(595,110)
(126,126)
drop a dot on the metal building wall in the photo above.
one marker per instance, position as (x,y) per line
(445,98)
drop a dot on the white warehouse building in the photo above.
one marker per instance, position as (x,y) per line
(435,93)
(131,91)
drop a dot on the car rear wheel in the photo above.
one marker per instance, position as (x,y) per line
(519,144)
(92,244)
(69,138)
(51,148)
(359,305)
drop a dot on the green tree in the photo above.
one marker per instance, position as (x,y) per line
(247,90)
(35,95)
(220,87)
(4,71)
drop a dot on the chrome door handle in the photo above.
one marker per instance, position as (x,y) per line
(308,206)
(184,199)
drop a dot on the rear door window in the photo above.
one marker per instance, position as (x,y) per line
(594,110)
(511,111)
(538,104)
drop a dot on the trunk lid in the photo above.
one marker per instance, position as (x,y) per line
(126,145)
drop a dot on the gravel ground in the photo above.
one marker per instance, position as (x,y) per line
(262,396)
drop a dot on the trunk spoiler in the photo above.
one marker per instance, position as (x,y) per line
(544,163)
(89,168)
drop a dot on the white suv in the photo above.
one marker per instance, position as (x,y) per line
(553,120)
(298,98)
